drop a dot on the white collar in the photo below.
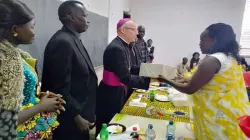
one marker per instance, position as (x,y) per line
(123,39)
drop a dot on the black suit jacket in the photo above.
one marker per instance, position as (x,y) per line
(135,67)
(68,70)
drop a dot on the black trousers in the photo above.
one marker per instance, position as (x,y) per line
(110,100)
(130,91)
(67,130)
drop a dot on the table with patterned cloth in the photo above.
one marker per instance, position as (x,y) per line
(141,111)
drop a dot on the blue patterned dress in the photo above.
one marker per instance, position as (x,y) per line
(41,125)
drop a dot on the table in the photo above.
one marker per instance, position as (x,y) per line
(131,115)
(183,130)
(140,111)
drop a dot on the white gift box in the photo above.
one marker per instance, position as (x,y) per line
(154,70)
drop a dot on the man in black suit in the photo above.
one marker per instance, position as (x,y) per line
(68,70)
(112,91)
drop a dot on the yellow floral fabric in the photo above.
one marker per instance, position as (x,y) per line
(219,103)
(36,128)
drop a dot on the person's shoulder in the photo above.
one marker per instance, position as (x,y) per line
(114,48)
(138,41)
(23,53)
(179,65)
(221,57)
(62,36)
(114,45)
(225,60)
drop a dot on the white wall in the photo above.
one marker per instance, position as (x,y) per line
(100,7)
(113,9)
(175,25)
(115,14)
(108,8)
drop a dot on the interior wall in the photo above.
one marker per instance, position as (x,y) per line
(112,9)
(175,26)
(115,14)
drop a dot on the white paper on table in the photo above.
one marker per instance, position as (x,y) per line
(137,100)
(139,95)
(130,129)
(137,104)
(125,135)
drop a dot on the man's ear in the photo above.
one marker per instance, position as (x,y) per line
(122,30)
(71,17)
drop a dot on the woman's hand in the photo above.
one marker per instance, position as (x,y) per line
(52,95)
(48,103)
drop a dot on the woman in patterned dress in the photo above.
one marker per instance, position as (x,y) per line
(218,88)
(18,79)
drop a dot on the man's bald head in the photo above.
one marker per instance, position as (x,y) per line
(74,15)
(127,30)
(66,8)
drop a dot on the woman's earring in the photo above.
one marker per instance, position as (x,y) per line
(15,34)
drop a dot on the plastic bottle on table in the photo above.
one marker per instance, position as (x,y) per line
(152,95)
(170,137)
(134,134)
(170,131)
(104,134)
(150,133)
